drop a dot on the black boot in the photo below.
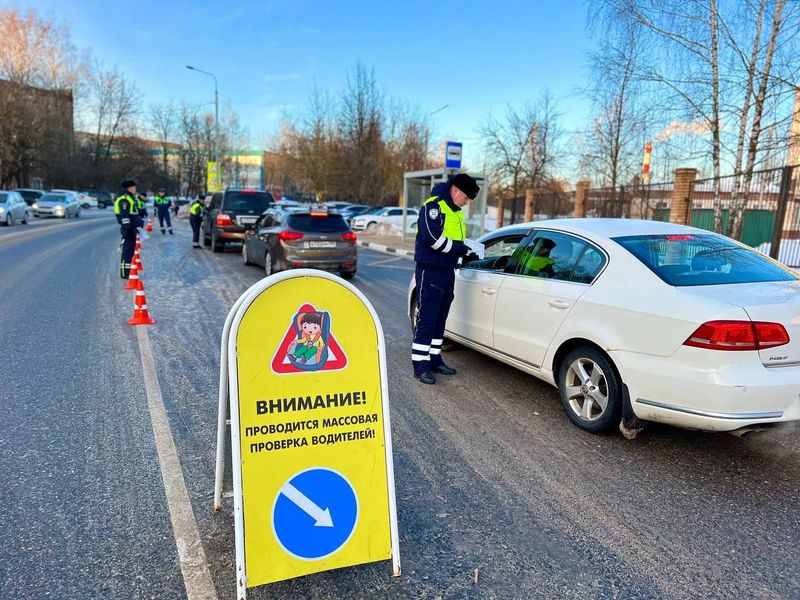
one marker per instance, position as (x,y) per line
(443,369)
(426,377)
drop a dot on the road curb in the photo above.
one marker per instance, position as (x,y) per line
(387,249)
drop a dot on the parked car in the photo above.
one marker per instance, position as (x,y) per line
(103,198)
(84,200)
(314,238)
(639,319)
(57,204)
(13,208)
(336,204)
(228,213)
(351,210)
(392,215)
(29,195)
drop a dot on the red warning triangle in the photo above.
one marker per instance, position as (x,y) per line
(283,364)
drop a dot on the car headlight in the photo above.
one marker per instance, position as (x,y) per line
(2,210)
(35,206)
(59,208)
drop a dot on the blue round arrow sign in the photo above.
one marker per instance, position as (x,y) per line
(315,513)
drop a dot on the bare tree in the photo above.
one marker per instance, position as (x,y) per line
(164,124)
(508,145)
(112,103)
(39,69)
(717,62)
(613,140)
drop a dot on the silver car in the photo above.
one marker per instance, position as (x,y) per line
(61,204)
(13,208)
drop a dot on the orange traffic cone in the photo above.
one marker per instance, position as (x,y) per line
(134,283)
(149,228)
(138,244)
(140,314)
(137,261)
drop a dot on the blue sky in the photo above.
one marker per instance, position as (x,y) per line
(476,57)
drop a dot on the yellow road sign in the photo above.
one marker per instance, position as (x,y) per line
(314,486)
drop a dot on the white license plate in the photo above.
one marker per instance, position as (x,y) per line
(247,220)
(319,244)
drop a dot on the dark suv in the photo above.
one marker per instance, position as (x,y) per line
(104,198)
(228,214)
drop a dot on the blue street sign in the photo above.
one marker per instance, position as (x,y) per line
(315,513)
(452,155)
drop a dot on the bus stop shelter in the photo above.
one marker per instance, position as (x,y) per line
(417,188)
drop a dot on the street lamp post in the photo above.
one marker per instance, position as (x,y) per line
(216,121)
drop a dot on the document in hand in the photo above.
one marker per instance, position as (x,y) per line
(475,247)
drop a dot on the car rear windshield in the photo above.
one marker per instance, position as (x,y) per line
(702,259)
(247,201)
(29,195)
(317,224)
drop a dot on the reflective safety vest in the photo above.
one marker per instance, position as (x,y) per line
(537,263)
(142,204)
(454,227)
(197,209)
(161,200)
(131,203)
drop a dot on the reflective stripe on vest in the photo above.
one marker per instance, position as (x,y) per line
(196,209)
(454,228)
(161,200)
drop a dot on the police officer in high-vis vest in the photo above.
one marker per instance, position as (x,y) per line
(162,206)
(126,211)
(196,212)
(141,203)
(439,245)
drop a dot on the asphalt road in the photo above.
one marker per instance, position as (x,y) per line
(498,495)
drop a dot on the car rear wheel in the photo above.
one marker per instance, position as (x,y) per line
(348,274)
(245,256)
(590,390)
(268,264)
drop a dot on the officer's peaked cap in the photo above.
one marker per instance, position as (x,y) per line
(126,183)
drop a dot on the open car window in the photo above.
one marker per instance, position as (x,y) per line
(497,253)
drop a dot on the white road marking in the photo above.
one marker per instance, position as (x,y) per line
(192,557)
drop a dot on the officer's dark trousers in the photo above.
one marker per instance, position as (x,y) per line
(195,223)
(434,295)
(128,233)
(163,215)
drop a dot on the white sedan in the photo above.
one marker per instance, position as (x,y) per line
(636,321)
(388,215)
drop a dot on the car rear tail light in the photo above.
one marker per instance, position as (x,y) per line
(289,236)
(223,220)
(738,335)
(349,236)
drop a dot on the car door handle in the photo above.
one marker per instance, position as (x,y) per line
(489,291)
(558,303)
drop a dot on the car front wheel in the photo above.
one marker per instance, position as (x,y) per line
(9,220)
(590,390)
(25,218)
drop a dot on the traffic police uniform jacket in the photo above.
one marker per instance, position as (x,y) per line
(161,203)
(440,231)
(126,211)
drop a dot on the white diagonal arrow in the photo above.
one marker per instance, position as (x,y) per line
(321,517)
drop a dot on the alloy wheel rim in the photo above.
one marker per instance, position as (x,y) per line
(587,389)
